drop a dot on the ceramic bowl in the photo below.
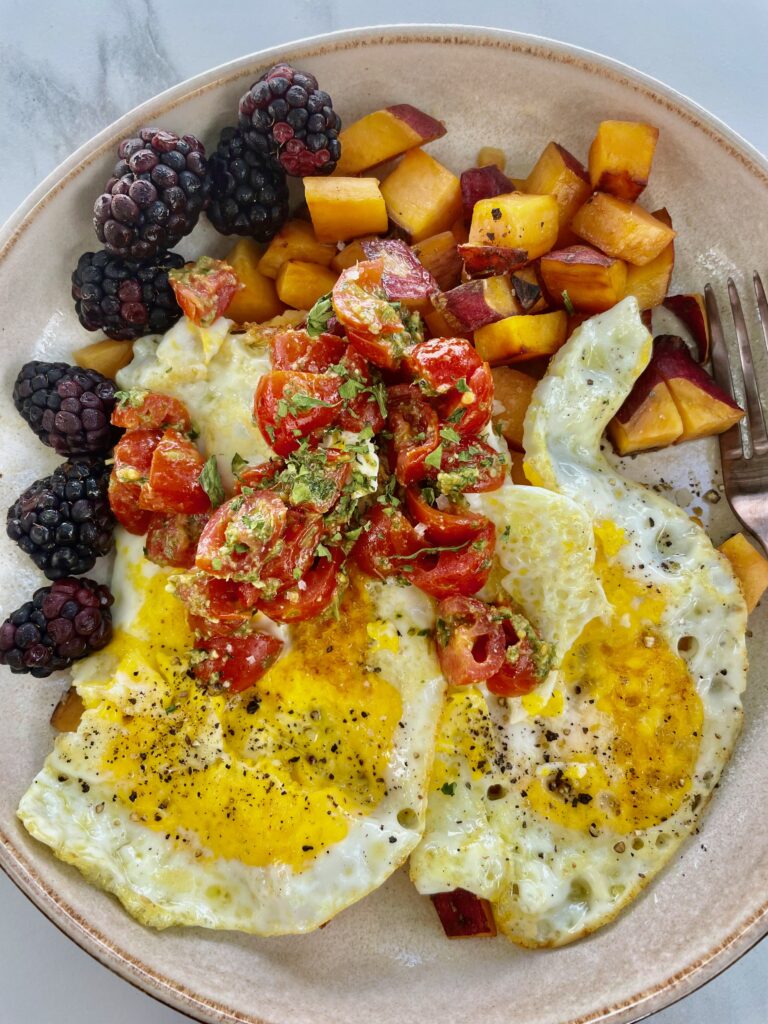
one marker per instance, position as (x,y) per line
(386,957)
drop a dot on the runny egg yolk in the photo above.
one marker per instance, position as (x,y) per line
(636,718)
(270,775)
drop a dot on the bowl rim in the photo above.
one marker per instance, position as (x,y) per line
(15,864)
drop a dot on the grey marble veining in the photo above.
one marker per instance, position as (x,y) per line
(70,67)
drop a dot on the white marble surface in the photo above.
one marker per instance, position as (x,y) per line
(69,67)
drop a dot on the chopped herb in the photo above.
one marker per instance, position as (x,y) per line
(435,458)
(321,551)
(210,481)
(171,708)
(238,464)
(319,315)
(569,307)
(449,788)
(461,385)
(450,435)
(351,388)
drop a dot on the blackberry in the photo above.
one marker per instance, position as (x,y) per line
(155,196)
(64,522)
(125,300)
(249,195)
(68,407)
(62,623)
(286,116)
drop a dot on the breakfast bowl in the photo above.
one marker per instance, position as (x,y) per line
(386,956)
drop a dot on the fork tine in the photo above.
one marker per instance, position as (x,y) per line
(730,442)
(754,406)
(762,305)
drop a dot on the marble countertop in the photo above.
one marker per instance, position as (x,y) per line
(68,69)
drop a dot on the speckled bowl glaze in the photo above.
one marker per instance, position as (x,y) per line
(385,959)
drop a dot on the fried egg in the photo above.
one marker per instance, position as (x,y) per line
(266,811)
(561,816)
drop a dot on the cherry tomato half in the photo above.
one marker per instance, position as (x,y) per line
(370,320)
(215,606)
(130,471)
(451,526)
(470,409)
(311,595)
(441,362)
(415,432)
(147,409)
(519,672)
(240,534)
(236,663)
(174,477)
(204,289)
(465,571)
(296,350)
(291,556)
(172,539)
(363,409)
(470,644)
(472,463)
(289,405)
(387,539)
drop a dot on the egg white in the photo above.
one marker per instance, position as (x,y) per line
(553,877)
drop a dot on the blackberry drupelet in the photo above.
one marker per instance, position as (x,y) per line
(68,407)
(64,522)
(123,299)
(157,192)
(62,623)
(249,195)
(285,115)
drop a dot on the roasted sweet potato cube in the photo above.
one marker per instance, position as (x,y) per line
(404,279)
(749,566)
(491,155)
(257,300)
(295,241)
(516,470)
(648,418)
(621,229)
(620,157)
(68,712)
(107,356)
(440,328)
(482,182)
(512,392)
(440,255)
(558,173)
(351,254)
(516,221)
(477,303)
(464,915)
(422,196)
(649,284)
(385,134)
(704,408)
(518,338)
(691,310)
(484,260)
(592,281)
(300,284)
(344,208)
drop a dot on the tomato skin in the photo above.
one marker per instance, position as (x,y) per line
(296,350)
(470,645)
(443,527)
(516,678)
(204,289)
(236,663)
(215,606)
(294,552)
(381,549)
(415,432)
(148,410)
(132,461)
(480,467)
(172,539)
(476,404)
(251,521)
(456,572)
(361,306)
(363,410)
(261,477)
(320,584)
(441,362)
(174,477)
(283,385)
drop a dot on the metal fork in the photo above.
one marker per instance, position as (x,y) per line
(745,468)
